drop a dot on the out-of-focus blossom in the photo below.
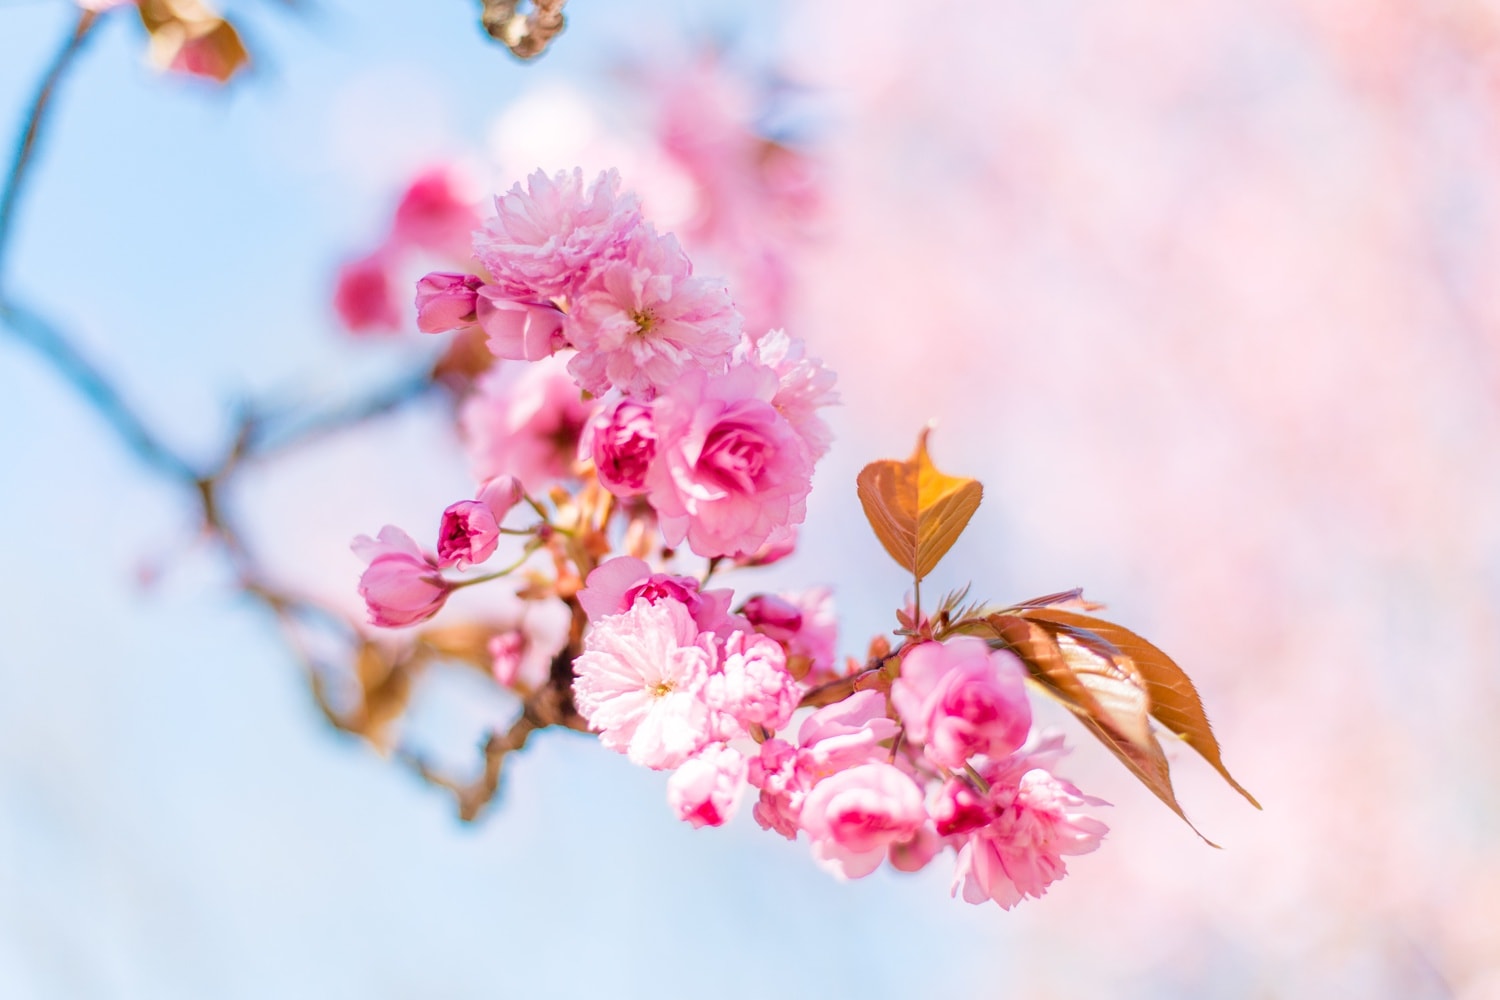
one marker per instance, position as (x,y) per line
(636,683)
(706,789)
(401,584)
(527,427)
(960,698)
(521,658)
(543,239)
(434,214)
(364,296)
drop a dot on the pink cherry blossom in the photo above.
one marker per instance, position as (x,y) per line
(804,386)
(751,684)
(646,320)
(636,683)
(519,330)
(855,816)
(435,215)
(470,529)
(706,789)
(774,772)
(844,734)
(616,584)
(467,535)
(730,469)
(446,301)
(401,584)
(959,698)
(836,737)
(364,296)
(1020,852)
(526,426)
(543,240)
(622,442)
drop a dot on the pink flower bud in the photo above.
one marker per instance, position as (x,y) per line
(470,529)
(519,331)
(771,615)
(500,494)
(401,585)
(468,534)
(445,301)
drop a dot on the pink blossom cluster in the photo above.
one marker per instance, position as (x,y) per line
(672,680)
(644,417)
(642,369)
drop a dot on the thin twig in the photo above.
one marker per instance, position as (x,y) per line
(34,126)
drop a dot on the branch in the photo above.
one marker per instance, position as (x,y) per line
(35,124)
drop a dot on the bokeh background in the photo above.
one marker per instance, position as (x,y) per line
(1204,296)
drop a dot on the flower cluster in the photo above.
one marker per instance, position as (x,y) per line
(715,429)
(645,418)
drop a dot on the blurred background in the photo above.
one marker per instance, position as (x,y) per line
(1204,297)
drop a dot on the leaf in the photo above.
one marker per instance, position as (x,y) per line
(1104,690)
(188,37)
(917,512)
(1172,699)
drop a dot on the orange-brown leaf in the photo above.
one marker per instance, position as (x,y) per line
(917,511)
(1172,699)
(1105,692)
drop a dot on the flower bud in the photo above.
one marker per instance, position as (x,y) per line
(446,301)
(401,585)
(519,331)
(468,534)
(774,616)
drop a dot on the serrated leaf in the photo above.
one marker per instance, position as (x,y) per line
(917,511)
(1172,699)
(1105,691)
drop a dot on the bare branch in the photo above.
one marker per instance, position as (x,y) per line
(35,125)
